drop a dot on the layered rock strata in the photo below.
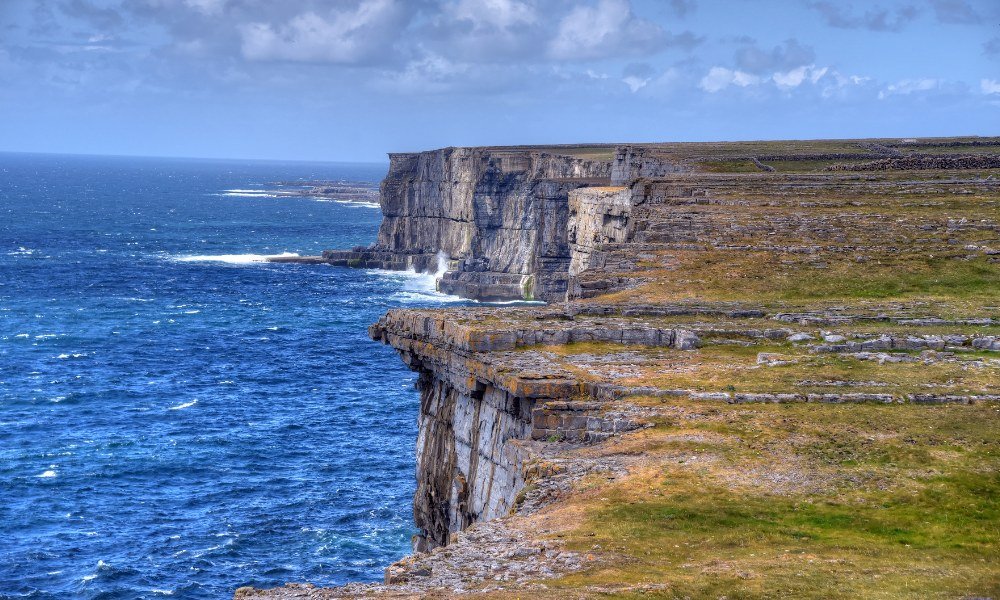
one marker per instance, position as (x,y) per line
(493,219)
(480,398)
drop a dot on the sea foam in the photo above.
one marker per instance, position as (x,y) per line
(233,259)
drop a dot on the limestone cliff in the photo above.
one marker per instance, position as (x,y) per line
(494,218)
(482,397)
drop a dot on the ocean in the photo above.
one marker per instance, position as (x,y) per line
(178,419)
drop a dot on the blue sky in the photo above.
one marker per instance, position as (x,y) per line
(354,79)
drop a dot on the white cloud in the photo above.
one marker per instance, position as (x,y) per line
(502,14)
(838,84)
(799,75)
(909,86)
(635,83)
(345,37)
(608,28)
(719,78)
(207,7)
(989,86)
(431,74)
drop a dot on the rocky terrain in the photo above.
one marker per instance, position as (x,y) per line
(765,369)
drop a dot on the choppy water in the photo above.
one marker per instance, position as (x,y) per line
(176,420)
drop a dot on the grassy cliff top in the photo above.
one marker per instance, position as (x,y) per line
(789,501)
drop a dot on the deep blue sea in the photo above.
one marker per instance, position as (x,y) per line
(175,419)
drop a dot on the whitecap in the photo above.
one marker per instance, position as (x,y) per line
(88,577)
(47,474)
(248,194)
(23,335)
(185,405)
(357,203)
(235,259)
(191,312)
(162,592)
(425,297)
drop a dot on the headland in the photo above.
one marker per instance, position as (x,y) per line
(765,369)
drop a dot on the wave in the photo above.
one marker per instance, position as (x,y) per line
(185,405)
(350,203)
(248,195)
(233,259)
(419,288)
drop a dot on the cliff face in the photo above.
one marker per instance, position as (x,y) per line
(494,218)
(469,464)
(483,398)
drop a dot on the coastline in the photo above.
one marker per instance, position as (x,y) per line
(707,329)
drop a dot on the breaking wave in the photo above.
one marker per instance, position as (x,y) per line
(233,259)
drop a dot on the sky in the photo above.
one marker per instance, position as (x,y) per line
(352,80)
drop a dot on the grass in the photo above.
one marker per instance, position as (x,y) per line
(734,368)
(728,166)
(885,502)
(768,277)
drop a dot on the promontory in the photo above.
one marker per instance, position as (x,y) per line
(761,369)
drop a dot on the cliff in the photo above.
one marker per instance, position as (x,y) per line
(779,381)
(493,218)
(500,224)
